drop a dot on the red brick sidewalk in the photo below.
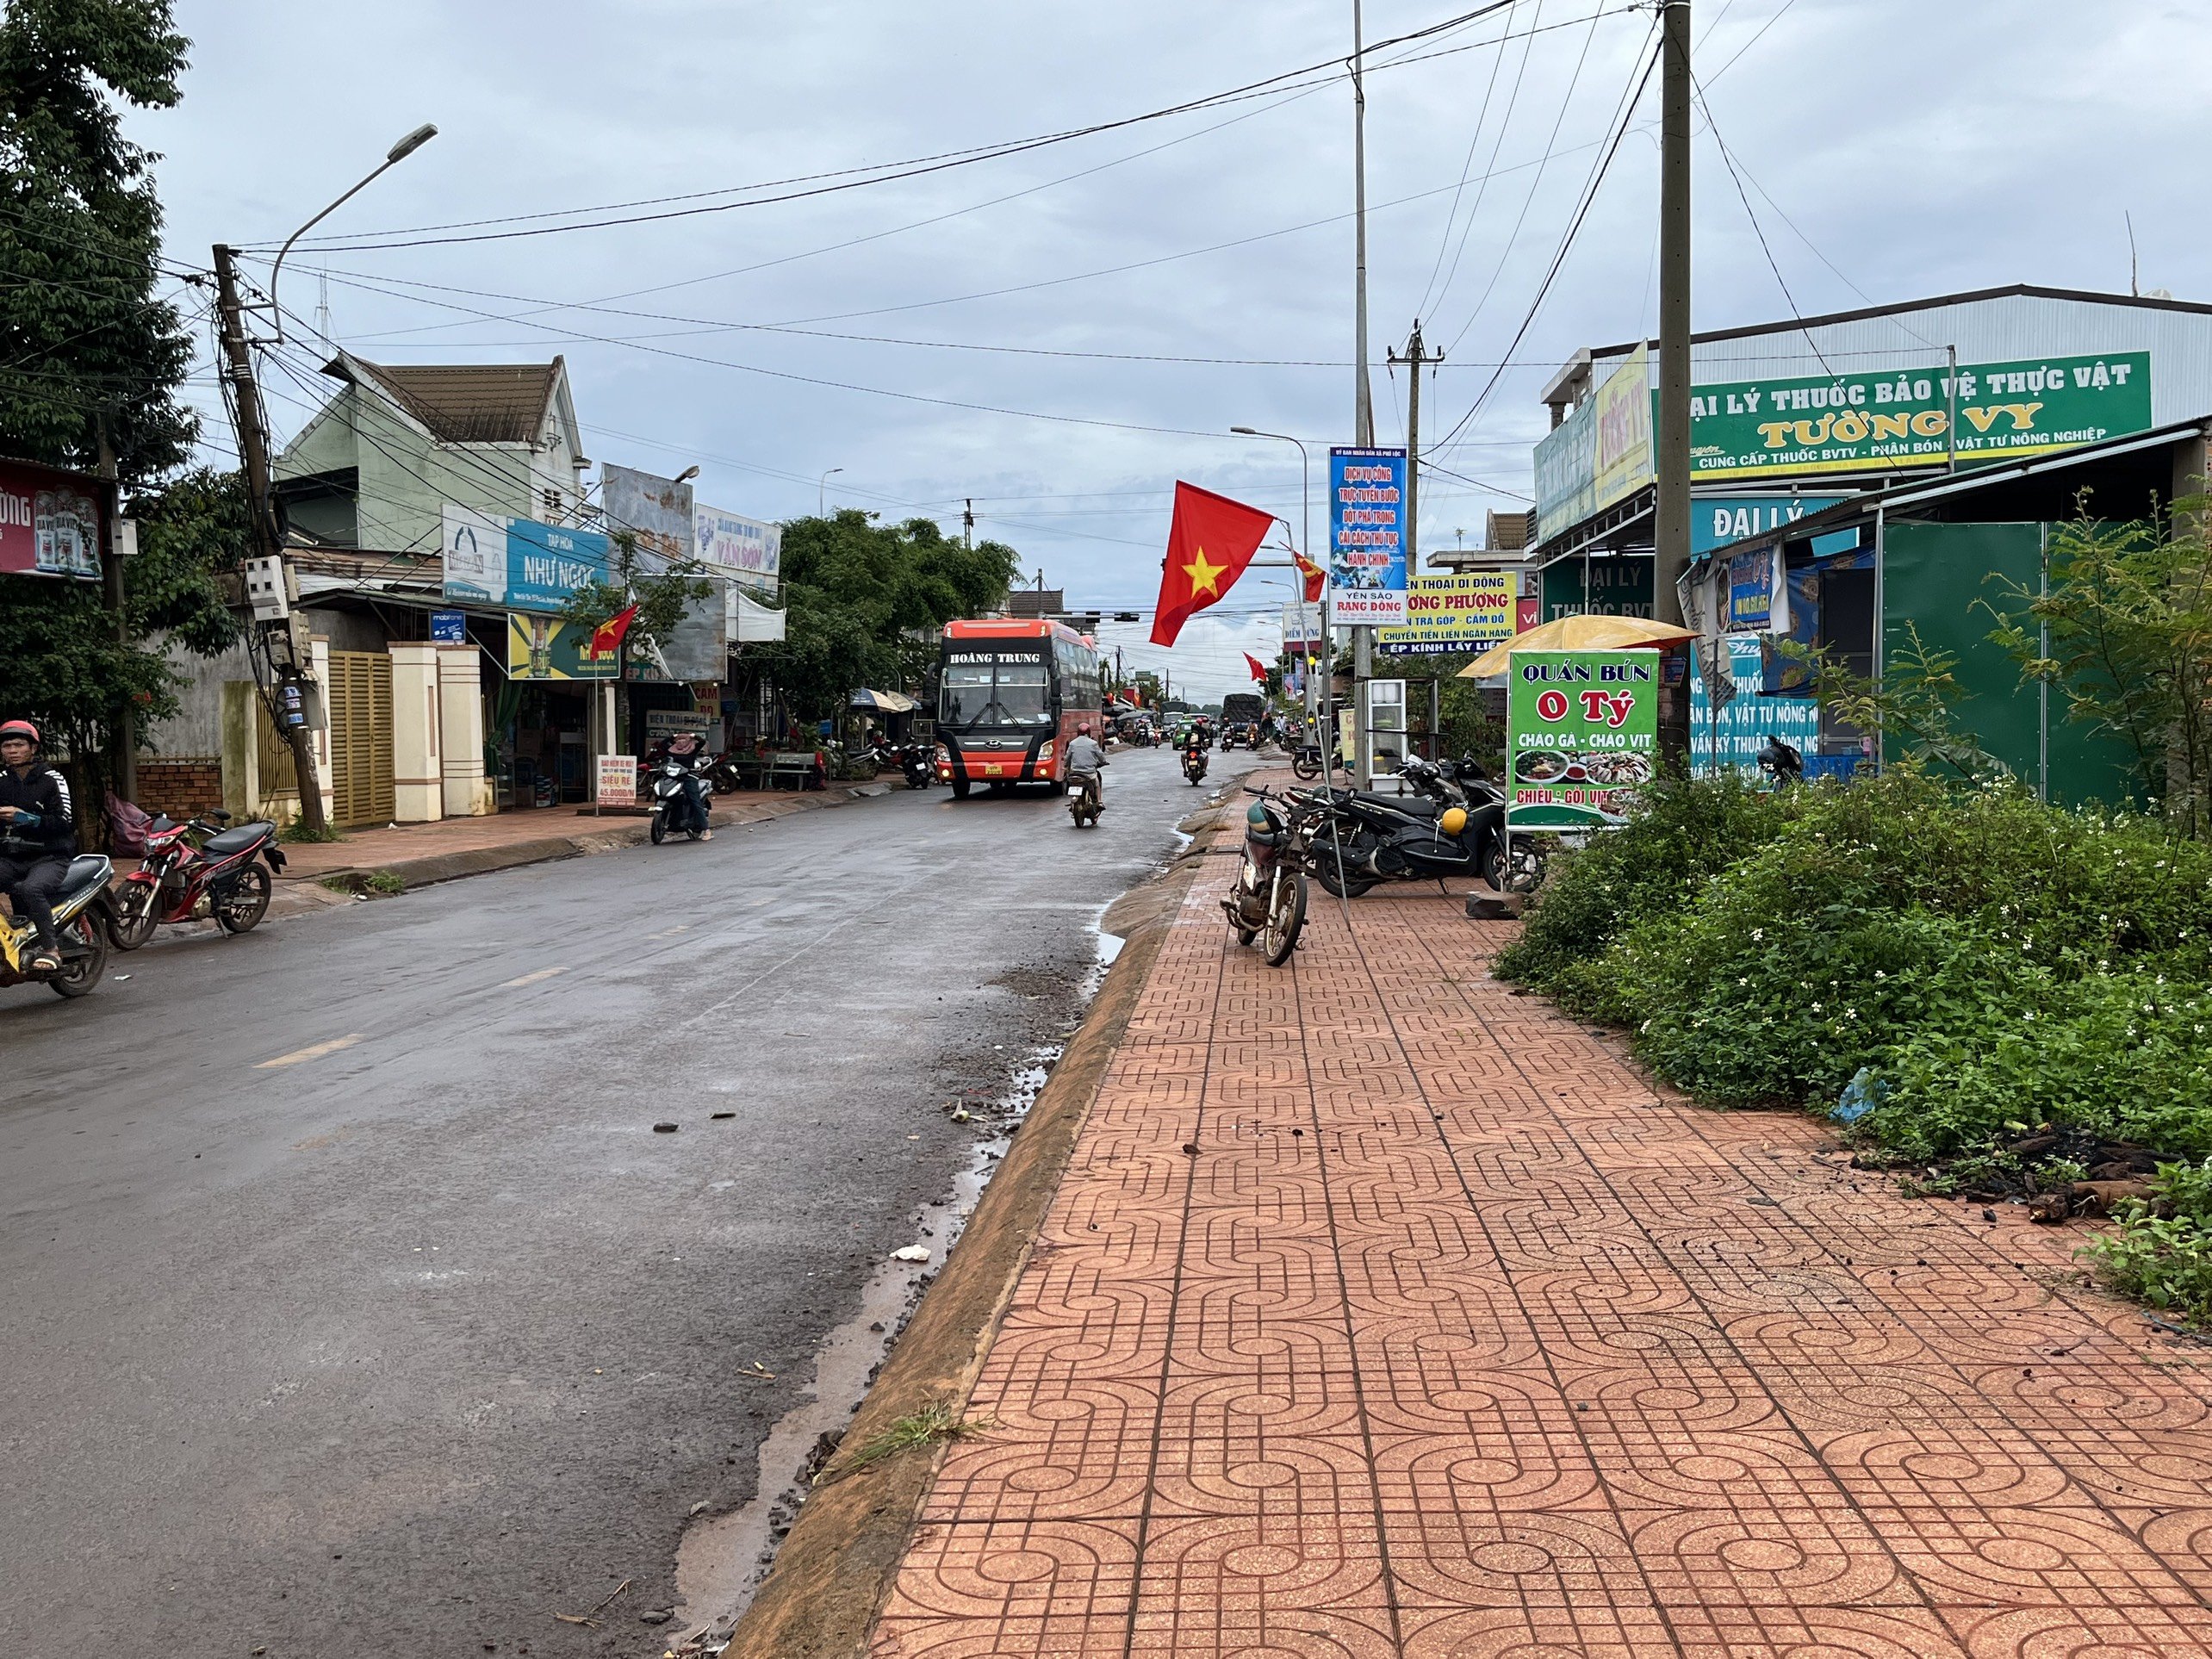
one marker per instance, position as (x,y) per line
(1451,1340)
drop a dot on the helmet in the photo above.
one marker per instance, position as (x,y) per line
(1452,820)
(1083,730)
(22,728)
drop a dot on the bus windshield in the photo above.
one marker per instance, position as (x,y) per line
(982,689)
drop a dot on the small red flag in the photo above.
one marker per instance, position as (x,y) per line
(1210,542)
(1258,667)
(607,638)
(1315,576)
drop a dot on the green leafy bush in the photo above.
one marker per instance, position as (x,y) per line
(2164,1259)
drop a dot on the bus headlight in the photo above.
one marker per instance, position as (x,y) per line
(1045,753)
(944,763)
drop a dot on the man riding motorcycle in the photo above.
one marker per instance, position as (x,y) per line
(688,750)
(38,837)
(1084,757)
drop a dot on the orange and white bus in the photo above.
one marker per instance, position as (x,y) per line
(1010,692)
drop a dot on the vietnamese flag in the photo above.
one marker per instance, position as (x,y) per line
(1259,669)
(1315,576)
(1210,542)
(606,638)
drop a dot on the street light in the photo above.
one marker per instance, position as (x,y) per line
(686,475)
(399,153)
(1317,689)
(822,493)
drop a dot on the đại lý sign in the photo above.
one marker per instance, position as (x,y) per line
(1892,419)
(1581,735)
(1464,612)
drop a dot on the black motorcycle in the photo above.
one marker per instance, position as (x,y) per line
(1268,901)
(1193,763)
(675,811)
(1453,825)
(917,763)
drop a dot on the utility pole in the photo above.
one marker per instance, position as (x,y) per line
(123,760)
(1671,554)
(1416,356)
(278,639)
(967,523)
(1362,635)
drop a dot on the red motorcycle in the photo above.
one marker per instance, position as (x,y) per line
(194,870)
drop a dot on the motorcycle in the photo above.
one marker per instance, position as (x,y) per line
(82,918)
(197,869)
(917,763)
(1086,797)
(1268,900)
(1436,833)
(1194,764)
(672,807)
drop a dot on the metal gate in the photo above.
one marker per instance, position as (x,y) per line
(359,698)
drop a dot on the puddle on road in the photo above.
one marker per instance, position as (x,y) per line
(723,1558)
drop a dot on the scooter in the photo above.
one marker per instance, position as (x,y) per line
(916,761)
(1194,764)
(672,807)
(1087,797)
(219,876)
(1268,901)
(82,917)
(1430,836)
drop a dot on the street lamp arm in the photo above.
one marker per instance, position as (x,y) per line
(399,153)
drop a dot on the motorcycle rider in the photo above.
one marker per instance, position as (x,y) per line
(688,750)
(1194,754)
(38,837)
(1084,757)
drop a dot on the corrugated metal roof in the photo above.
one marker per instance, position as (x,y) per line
(465,402)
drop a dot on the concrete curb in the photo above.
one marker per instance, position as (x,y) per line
(830,1578)
(308,893)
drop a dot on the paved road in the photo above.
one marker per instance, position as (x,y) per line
(354,1307)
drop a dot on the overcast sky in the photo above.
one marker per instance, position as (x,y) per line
(1892,149)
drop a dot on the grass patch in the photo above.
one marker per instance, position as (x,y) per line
(297,832)
(934,1424)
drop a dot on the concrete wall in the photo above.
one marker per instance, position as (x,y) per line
(418,726)
(460,702)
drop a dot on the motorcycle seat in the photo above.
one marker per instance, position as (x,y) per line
(238,839)
(1419,806)
(86,870)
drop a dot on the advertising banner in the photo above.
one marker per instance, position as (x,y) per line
(667,723)
(50,522)
(546,564)
(1301,630)
(1581,735)
(1750,589)
(1623,462)
(1617,587)
(1367,536)
(746,550)
(1456,613)
(617,781)
(659,510)
(1717,520)
(540,647)
(476,555)
(1881,421)
(1729,738)
(1567,473)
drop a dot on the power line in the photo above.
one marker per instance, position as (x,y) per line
(1475,143)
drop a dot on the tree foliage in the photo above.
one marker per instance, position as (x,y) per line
(864,602)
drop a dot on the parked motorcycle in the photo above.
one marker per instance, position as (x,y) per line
(1268,901)
(1306,760)
(1438,832)
(1193,763)
(81,919)
(1086,797)
(194,870)
(917,764)
(672,811)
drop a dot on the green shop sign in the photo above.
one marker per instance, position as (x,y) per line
(1583,586)
(1582,730)
(1903,418)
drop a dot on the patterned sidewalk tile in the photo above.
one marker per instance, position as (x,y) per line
(1384,1313)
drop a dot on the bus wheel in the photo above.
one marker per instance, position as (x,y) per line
(959,787)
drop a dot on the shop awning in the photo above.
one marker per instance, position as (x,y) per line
(884,702)
(1578,634)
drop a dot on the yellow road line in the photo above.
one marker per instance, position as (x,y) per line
(313,1051)
(533,979)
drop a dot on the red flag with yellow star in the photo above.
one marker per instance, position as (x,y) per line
(1315,576)
(1209,546)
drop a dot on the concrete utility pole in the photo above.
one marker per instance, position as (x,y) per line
(1671,555)
(1416,356)
(277,639)
(1363,634)
(967,523)
(123,760)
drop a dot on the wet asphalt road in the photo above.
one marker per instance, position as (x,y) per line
(404,1346)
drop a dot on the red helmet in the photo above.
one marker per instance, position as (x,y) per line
(22,728)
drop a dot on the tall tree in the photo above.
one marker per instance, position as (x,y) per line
(90,353)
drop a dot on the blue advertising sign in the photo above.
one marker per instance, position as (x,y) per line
(1717,520)
(546,564)
(1750,589)
(448,628)
(1367,536)
(1729,738)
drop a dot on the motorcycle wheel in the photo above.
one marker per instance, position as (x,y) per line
(246,903)
(1326,863)
(1286,919)
(1306,768)
(137,914)
(80,975)
(659,829)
